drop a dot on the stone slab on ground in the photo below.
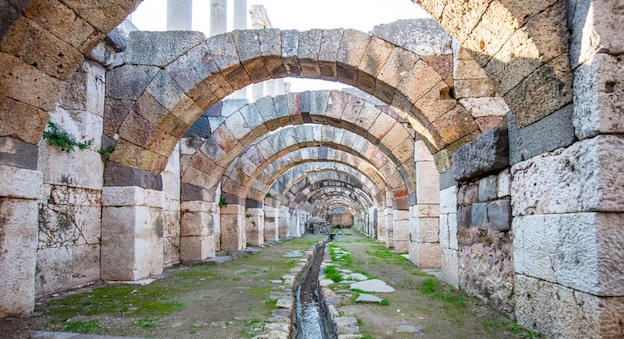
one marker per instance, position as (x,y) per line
(252,250)
(346,325)
(326,282)
(355,276)
(367,298)
(66,335)
(216,260)
(409,328)
(373,285)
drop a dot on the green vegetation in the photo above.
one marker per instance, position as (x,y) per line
(57,136)
(106,152)
(332,273)
(443,292)
(384,302)
(510,328)
(268,195)
(90,326)
(222,202)
(147,323)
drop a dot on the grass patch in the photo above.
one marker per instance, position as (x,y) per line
(332,273)
(90,326)
(508,327)
(437,291)
(147,323)
(384,302)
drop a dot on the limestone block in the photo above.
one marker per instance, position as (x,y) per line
(67,225)
(128,81)
(448,200)
(503,184)
(18,244)
(54,270)
(171,250)
(20,183)
(548,134)
(232,228)
(290,51)
(85,90)
(444,231)
(584,177)
(578,250)
(85,264)
(271,50)
(554,81)
(132,245)
(377,53)
(487,153)
(352,48)
(83,125)
(421,36)
(452,230)
(598,96)
(450,267)
(560,312)
(81,168)
(197,247)
(223,51)
(468,70)
(330,43)
(485,106)
(428,230)
(399,63)
(196,223)
(594,27)
(171,223)
(160,48)
(487,188)
(248,48)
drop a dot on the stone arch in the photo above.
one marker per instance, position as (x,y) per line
(243,171)
(321,192)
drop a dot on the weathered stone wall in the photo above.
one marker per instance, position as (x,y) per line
(484,243)
(171,212)
(68,251)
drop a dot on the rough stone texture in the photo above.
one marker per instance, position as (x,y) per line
(487,153)
(579,250)
(499,215)
(598,96)
(20,183)
(552,132)
(18,244)
(121,175)
(487,188)
(422,36)
(233,228)
(586,176)
(16,153)
(160,48)
(486,268)
(560,312)
(450,267)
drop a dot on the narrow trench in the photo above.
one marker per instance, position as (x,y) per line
(312,319)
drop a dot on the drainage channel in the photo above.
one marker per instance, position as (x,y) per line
(312,320)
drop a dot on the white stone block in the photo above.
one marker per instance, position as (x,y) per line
(54,270)
(504,183)
(448,200)
(444,231)
(20,183)
(559,312)
(583,251)
(452,229)
(427,183)
(85,264)
(197,247)
(18,244)
(450,267)
(80,168)
(485,106)
(421,152)
(123,196)
(587,176)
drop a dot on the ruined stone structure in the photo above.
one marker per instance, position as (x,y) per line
(485,142)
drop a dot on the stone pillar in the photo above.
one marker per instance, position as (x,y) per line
(240,22)
(233,234)
(218,17)
(390,226)
(401,231)
(132,232)
(198,229)
(282,222)
(424,237)
(171,213)
(254,226)
(179,15)
(448,235)
(270,223)
(19,190)
(381,225)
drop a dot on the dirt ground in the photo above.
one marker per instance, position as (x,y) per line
(231,301)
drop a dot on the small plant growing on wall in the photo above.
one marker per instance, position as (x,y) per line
(222,202)
(268,195)
(106,152)
(57,136)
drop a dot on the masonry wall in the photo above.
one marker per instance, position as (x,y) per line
(68,249)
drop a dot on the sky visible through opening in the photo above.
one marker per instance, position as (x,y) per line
(362,15)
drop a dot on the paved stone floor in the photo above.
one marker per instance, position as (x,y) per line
(235,299)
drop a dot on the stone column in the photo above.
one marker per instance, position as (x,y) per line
(270,223)
(381,225)
(424,237)
(179,15)
(282,222)
(401,231)
(254,226)
(132,229)
(448,234)
(390,226)
(233,234)
(218,17)
(19,190)
(199,225)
